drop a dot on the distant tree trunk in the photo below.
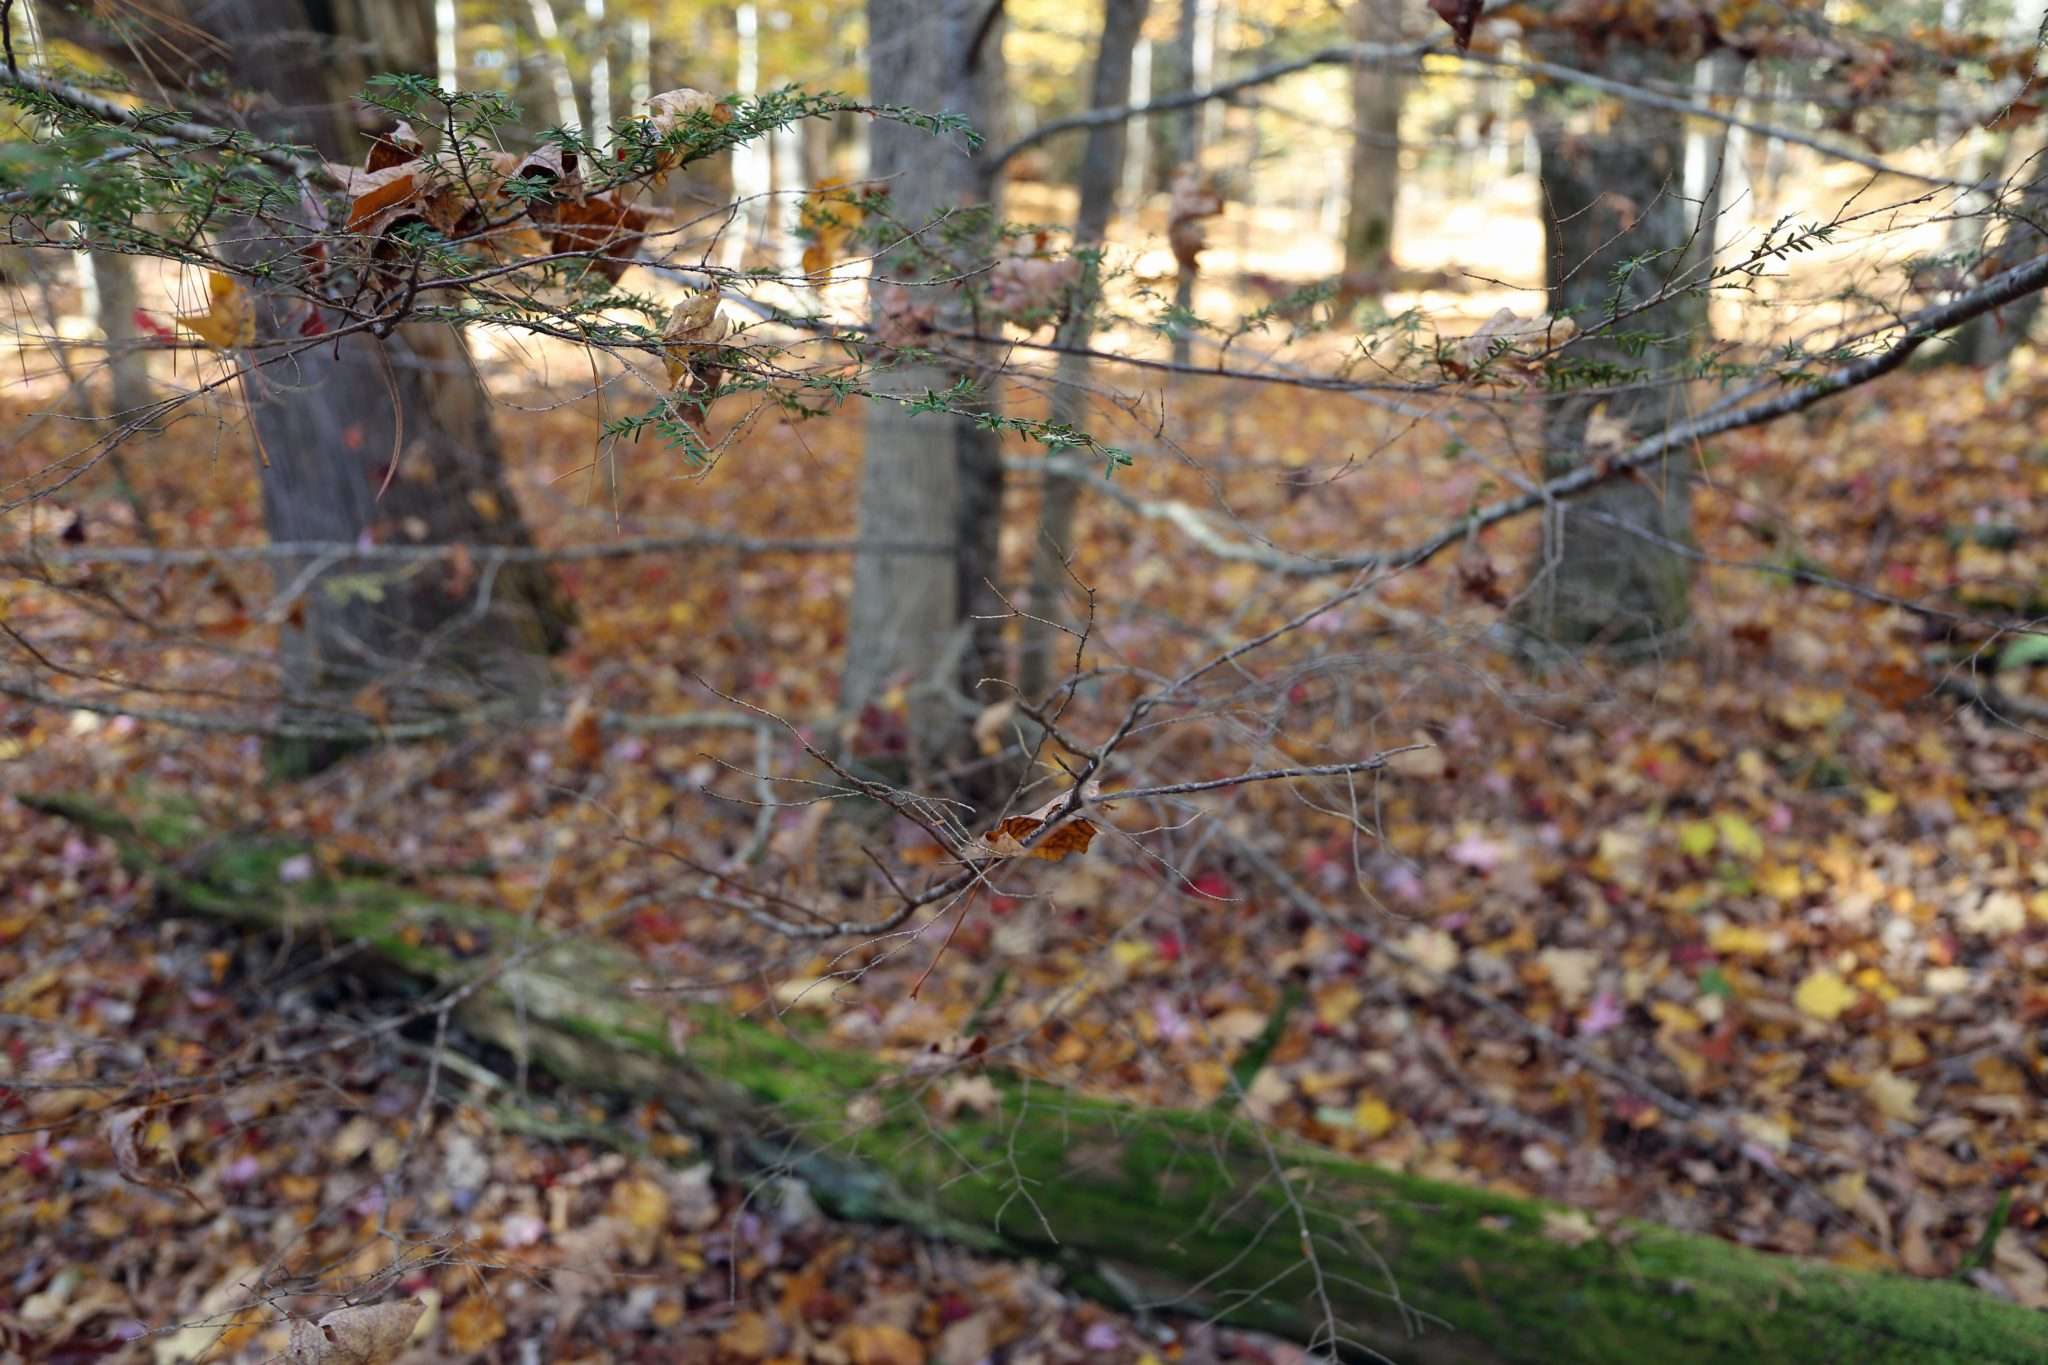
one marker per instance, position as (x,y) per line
(447,57)
(332,422)
(128,387)
(1102,165)
(931,477)
(548,28)
(1377,93)
(1138,161)
(1609,572)
(1990,339)
(1191,69)
(2011,225)
(599,41)
(750,165)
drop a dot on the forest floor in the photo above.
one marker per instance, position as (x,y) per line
(1785,887)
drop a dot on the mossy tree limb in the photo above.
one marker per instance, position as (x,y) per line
(1188,1212)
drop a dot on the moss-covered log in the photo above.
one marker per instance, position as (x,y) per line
(1195,1212)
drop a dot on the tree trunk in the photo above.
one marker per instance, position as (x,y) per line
(382,441)
(1102,165)
(1191,69)
(1377,93)
(1613,571)
(2008,226)
(547,27)
(1190,1212)
(928,627)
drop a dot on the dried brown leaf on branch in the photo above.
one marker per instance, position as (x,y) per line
(370,1334)
(1012,834)
(602,226)
(1033,287)
(399,145)
(906,316)
(1461,15)
(673,108)
(690,340)
(1506,344)
(1194,198)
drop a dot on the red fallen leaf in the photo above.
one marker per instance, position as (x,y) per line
(149,326)
(1694,953)
(1212,884)
(1461,15)
(313,326)
(1167,946)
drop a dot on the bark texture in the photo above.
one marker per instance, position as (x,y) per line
(1377,93)
(387,440)
(1176,1211)
(916,621)
(1618,230)
(1102,169)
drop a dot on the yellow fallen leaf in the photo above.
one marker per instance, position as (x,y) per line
(1894,1095)
(1738,836)
(642,1207)
(1374,1118)
(1773,1134)
(230,317)
(879,1343)
(1825,996)
(749,1337)
(1781,882)
(1743,940)
(1129,954)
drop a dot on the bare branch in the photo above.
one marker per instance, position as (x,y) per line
(1914,331)
(1382,54)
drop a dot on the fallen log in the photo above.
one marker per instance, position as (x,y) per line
(1191,1212)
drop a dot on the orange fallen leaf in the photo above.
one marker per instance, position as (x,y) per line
(474,1324)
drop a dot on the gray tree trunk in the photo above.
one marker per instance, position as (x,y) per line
(2013,229)
(1102,166)
(917,621)
(407,416)
(1377,93)
(1618,231)
(1187,149)
(128,386)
